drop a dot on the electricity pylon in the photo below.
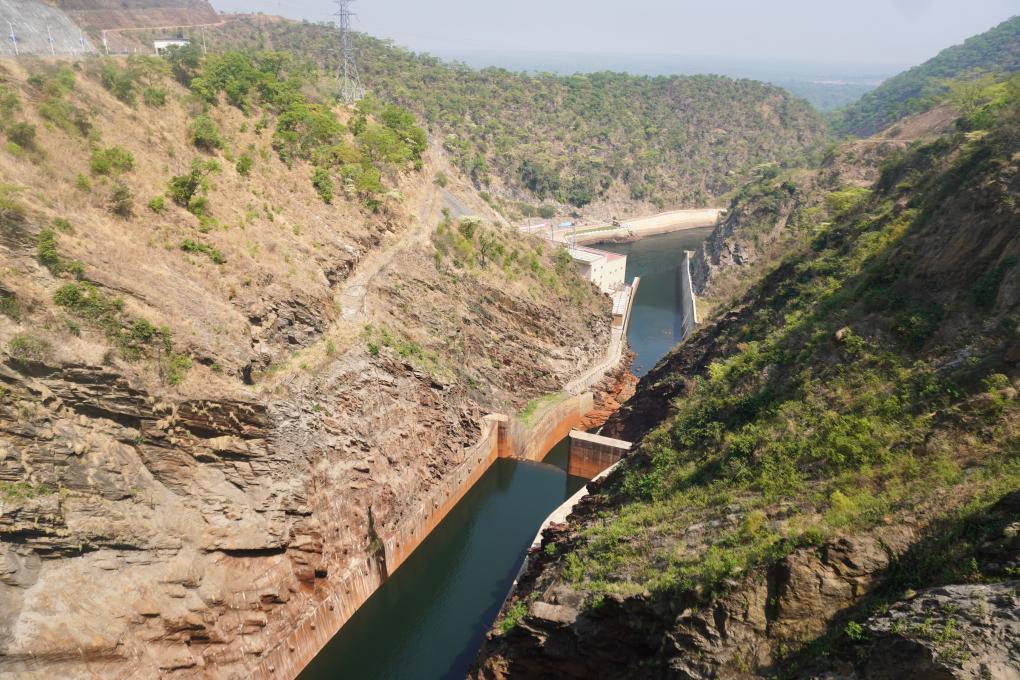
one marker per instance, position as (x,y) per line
(347,73)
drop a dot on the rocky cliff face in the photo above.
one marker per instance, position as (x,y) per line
(781,206)
(198,443)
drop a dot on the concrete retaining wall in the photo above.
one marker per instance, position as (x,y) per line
(30,19)
(532,440)
(685,291)
(501,437)
(590,454)
(442,498)
(617,343)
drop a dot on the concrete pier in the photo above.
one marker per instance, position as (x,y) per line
(591,454)
(685,294)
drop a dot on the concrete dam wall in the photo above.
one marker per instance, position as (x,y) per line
(30,20)
(501,437)
(640,227)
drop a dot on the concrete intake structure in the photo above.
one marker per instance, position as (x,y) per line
(591,454)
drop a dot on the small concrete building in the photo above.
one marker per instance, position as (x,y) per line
(606,270)
(161,45)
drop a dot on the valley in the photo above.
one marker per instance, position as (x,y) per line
(292,373)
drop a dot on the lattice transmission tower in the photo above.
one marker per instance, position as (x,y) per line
(347,73)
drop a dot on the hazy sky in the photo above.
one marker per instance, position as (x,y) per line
(891,31)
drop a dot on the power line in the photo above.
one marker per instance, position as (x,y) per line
(347,74)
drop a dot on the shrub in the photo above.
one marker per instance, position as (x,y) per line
(111,161)
(46,251)
(205,134)
(183,189)
(986,288)
(119,81)
(916,324)
(191,246)
(845,201)
(25,347)
(9,104)
(854,631)
(10,307)
(22,134)
(514,613)
(441,179)
(12,213)
(63,225)
(85,300)
(157,205)
(244,164)
(66,116)
(199,205)
(154,96)
(323,183)
(121,200)
(82,183)
(467,227)
(177,368)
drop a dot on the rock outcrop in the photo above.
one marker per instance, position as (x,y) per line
(196,452)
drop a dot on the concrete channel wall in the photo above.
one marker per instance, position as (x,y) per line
(688,304)
(501,437)
(590,454)
(617,343)
(532,440)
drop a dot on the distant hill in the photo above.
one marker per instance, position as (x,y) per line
(914,90)
(609,142)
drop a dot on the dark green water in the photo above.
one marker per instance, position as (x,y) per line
(430,618)
(655,321)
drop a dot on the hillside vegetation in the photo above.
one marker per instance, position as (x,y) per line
(862,394)
(997,50)
(606,140)
(244,336)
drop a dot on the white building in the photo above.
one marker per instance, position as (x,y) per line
(606,270)
(161,45)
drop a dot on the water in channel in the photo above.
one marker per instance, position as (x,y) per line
(428,621)
(655,321)
(430,618)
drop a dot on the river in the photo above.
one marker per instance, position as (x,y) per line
(430,618)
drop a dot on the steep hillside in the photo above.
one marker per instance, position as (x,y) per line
(610,143)
(997,50)
(243,334)
(824,483)
(782,205)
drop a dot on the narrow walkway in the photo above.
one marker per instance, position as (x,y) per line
(623,300)
(352,297)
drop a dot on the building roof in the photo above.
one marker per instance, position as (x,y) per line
(593,254)
(586,255)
